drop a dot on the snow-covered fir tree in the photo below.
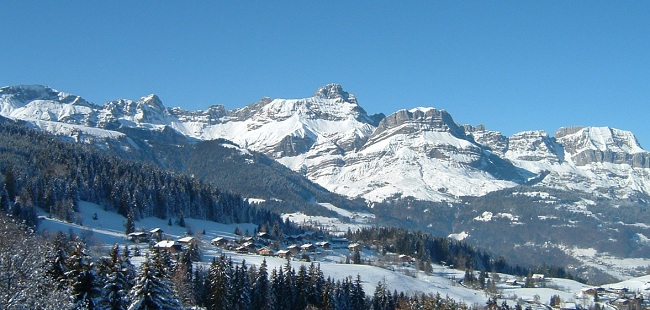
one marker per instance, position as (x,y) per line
(117,283)
(221,280)
(152,290)
(261,288)
(82,278)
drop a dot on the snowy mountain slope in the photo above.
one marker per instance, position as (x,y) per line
(330,139)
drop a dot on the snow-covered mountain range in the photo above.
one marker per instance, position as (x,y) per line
(331,139)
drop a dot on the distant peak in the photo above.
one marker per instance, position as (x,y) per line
(152,100)
(333,91)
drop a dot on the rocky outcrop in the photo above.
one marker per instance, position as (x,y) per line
(588,145)
(418,120)
(493,140)
(534,146)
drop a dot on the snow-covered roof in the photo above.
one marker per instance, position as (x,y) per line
(166,244)
(186,239)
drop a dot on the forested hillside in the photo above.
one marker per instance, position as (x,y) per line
(39,170)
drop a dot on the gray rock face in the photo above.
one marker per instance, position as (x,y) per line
(419,120)
(535,146)
(334,91)
(292,146)
(493,140)
(602,145)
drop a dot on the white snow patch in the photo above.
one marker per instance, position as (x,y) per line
(459,236)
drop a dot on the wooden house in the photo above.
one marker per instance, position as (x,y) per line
(284,253)
(168,245)
(324,245)
(265,251)
(264,235)
(186,241)
(156,233)
(219,241)
(355,247)
(294,249)
(139,236)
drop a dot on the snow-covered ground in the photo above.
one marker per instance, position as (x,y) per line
(108,229)
(334,225)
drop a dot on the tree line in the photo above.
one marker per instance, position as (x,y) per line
(429,249)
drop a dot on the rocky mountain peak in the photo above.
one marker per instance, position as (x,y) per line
(13,97)
(334,91)
(153,101)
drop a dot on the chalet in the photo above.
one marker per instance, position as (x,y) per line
(265,251)
(242,249)
(284,253)
(185,241)
(156,233)
(355,247)
(250,246)
(538,277)
(308,247)
(405,258)
(324,245)
(264,235)
(219,241)
(168,245)
(139,236)
(339,243)
(294,249)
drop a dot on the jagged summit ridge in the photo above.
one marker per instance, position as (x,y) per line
(328,137)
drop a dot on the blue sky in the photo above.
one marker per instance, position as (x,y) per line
(510,65)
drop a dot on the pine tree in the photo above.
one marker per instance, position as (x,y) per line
(357,295)
(220,277)
(82,278)
(242,291)
(130,224)
(152,290)
(279,289)
(382,298)
(128,267)
(316,285)
(301,288)
(260,289)
(116,288)
(201,287)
